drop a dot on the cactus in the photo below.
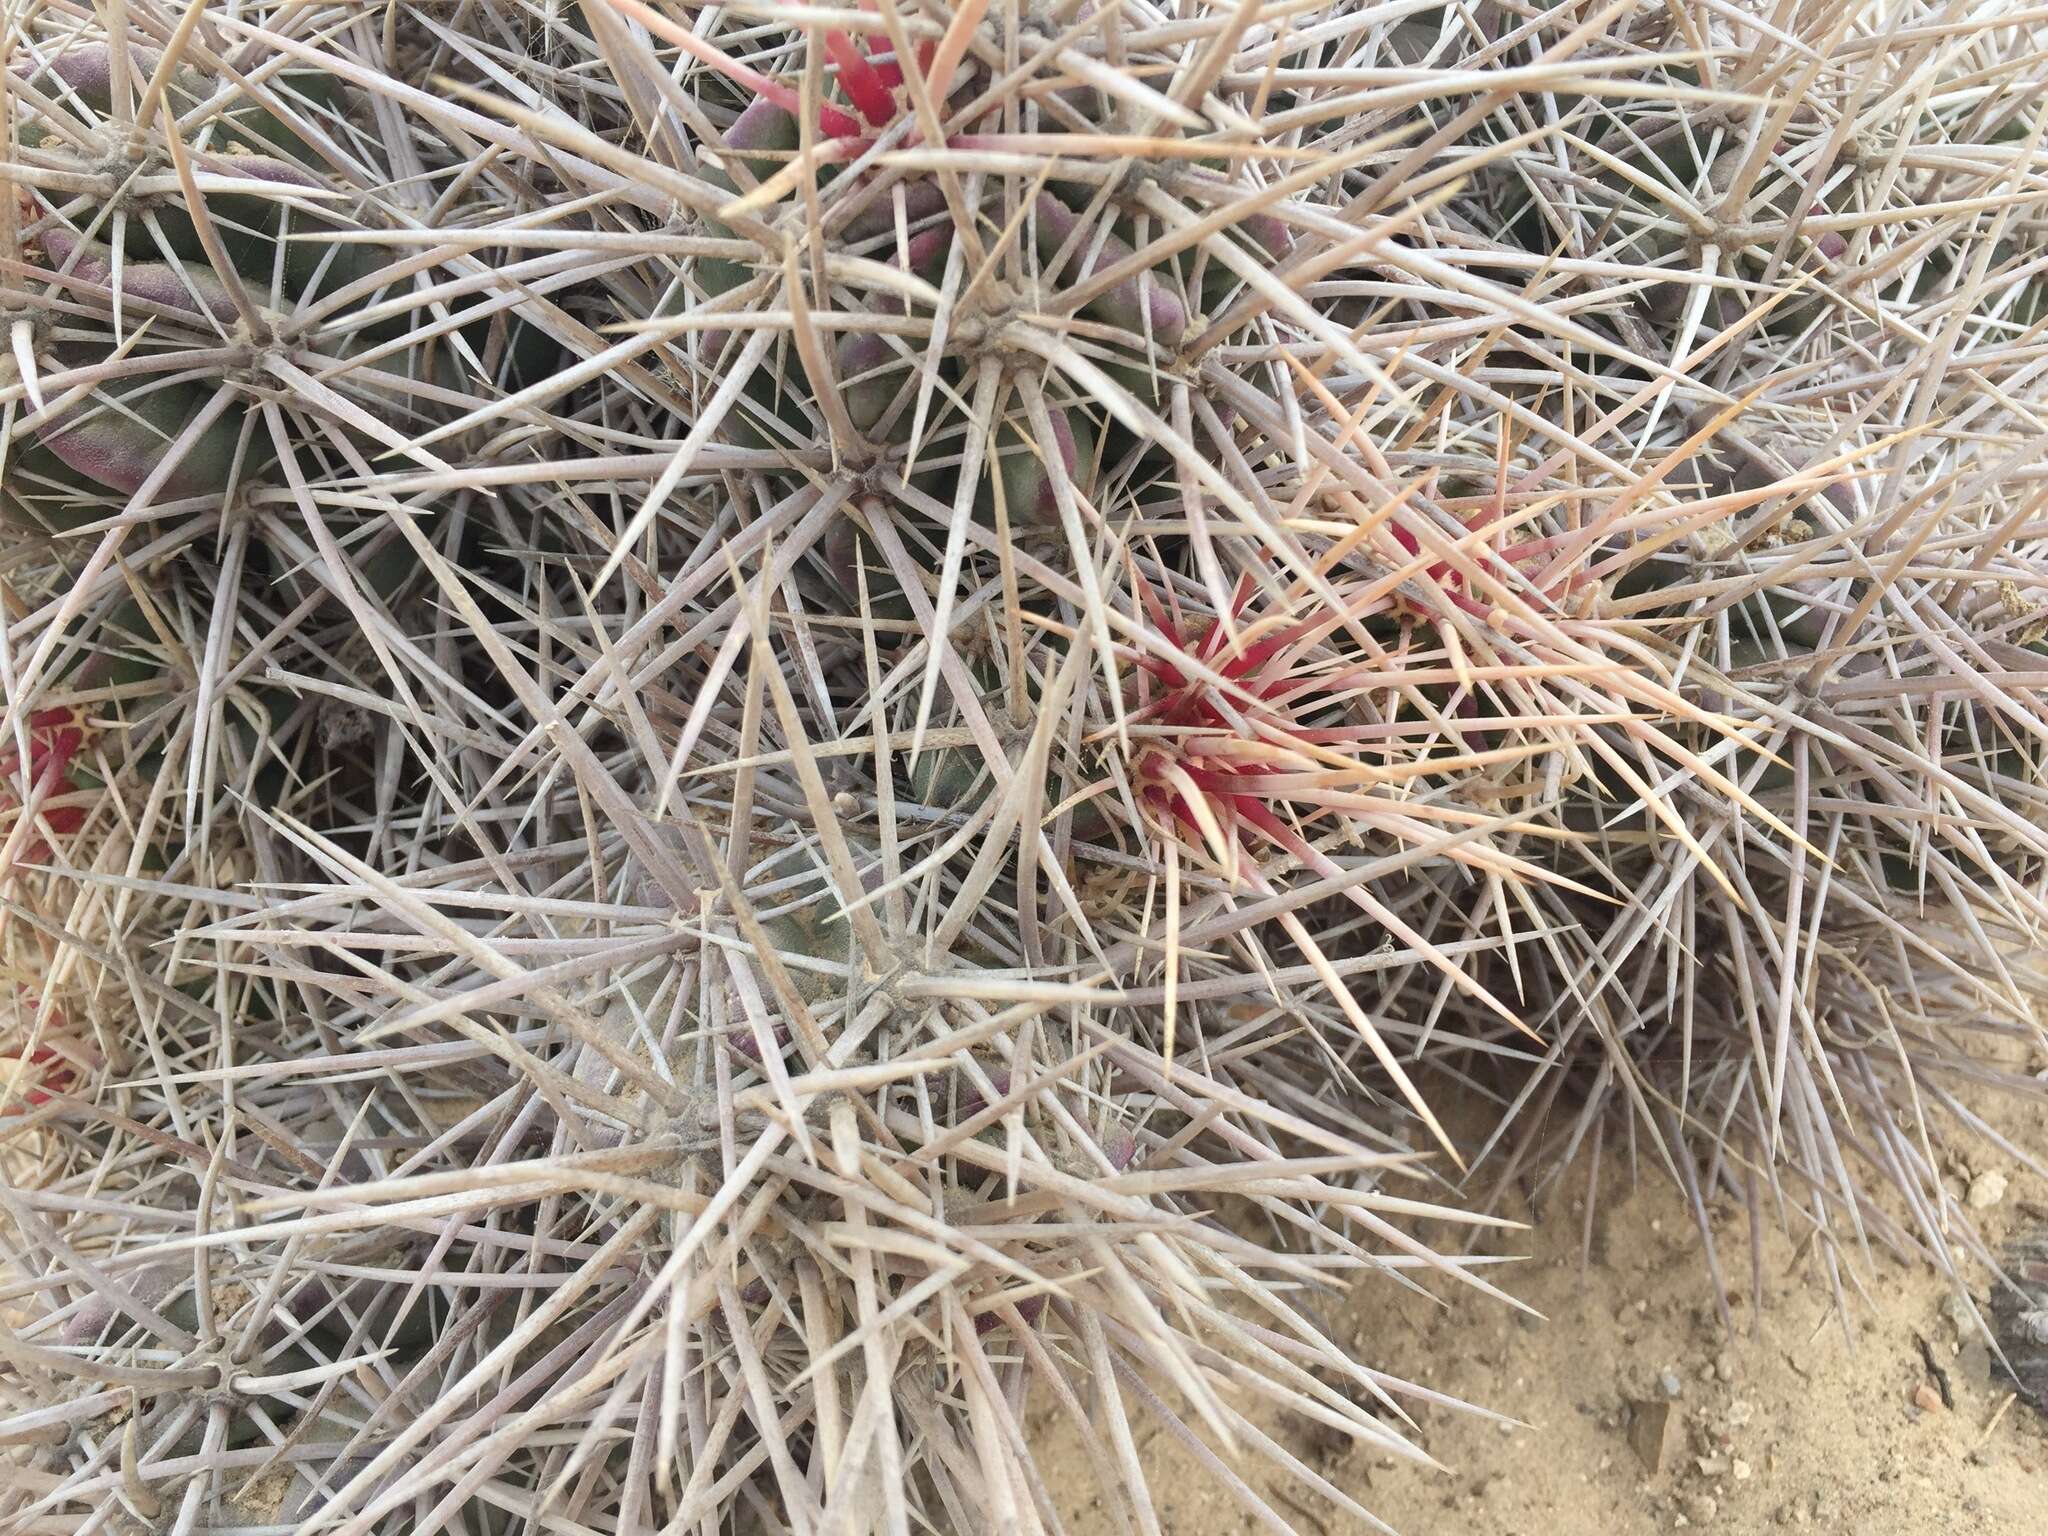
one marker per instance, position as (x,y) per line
(210,352)
(268,303)
(720,728)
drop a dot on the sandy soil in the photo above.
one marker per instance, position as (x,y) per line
(1792,1423)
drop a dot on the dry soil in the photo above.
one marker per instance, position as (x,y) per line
(1802,1419)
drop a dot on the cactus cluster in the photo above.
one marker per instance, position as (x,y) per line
(740,738)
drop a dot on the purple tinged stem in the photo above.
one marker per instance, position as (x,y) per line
(1270,234)
(863,357)
(267,168)
(921,200)
(153,282)
(762,126)
(90,71)
(1140,304)
(1028,492)
(123,448)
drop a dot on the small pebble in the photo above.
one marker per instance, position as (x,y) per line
(1650,1432)
(1700,1508)
(1743,1470)
(1724,1365)
(1955,1307)
(1926,1399)
(1986,1190)
(1670,1383)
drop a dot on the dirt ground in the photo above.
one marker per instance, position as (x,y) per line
(1790,1424)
